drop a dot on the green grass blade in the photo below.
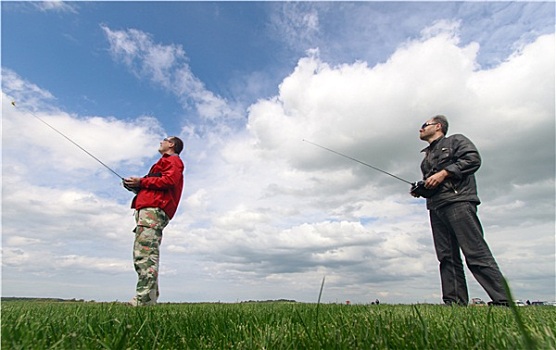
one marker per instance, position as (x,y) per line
(527,339)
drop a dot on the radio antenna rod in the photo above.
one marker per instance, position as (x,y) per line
(360,162)
(70,140)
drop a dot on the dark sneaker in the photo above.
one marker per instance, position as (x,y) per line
(498,303)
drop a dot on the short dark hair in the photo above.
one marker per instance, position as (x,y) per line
(178,144)
(443,121)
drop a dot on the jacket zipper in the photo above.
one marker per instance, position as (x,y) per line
(453,187)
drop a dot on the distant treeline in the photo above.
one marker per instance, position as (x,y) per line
(59,300)
(270,301)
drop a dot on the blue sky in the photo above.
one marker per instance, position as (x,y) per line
(264,215)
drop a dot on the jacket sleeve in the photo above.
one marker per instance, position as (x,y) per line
(171,170)
(465,159)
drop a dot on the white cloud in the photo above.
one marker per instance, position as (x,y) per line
(56,6)
(20,89)
(14,257)
(40,139)
(64,215)
(22,241)
(166,66)
(296,24)
(289,190)
(103,265)
(265,210)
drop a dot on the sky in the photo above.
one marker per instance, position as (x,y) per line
(265,215)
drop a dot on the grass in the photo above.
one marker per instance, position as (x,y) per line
(55,325)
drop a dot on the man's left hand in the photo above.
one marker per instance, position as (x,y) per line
(133,181)
(436,179)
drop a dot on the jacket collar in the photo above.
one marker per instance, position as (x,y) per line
(169,155)
(433,144)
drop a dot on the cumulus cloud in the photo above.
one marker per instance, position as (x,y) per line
(56,199)
(266,210)
(293,209)
(41,139)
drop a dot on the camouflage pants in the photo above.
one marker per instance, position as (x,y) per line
(146,252)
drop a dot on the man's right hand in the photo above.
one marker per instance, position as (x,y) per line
(132,184)
(418,189)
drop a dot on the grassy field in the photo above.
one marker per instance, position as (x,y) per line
(67,325)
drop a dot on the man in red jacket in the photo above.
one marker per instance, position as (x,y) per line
(156,202)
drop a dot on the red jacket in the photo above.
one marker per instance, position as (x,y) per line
(162,187)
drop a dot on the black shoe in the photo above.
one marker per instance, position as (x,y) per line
(498,303)
(452,303)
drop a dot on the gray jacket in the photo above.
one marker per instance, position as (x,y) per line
(459,156)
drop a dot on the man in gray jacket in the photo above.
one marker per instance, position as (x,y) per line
(448,168)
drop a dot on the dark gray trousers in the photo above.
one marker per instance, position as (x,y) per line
(454,227)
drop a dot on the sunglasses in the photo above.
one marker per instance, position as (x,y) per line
(424,126)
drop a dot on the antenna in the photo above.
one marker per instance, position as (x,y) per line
(70,140)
